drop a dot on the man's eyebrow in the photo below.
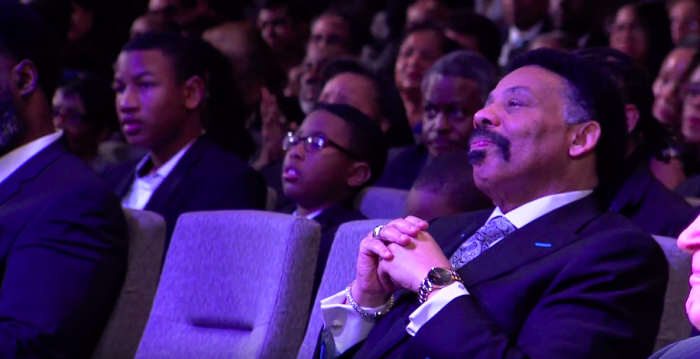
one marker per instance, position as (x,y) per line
(143,74)
(523,90)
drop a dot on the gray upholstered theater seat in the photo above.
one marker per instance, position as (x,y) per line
(380,202)
(339,272)
(236,284)
(674,322)
(122,335)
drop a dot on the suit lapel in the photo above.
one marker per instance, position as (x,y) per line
(535,240)
(125,184)
(170,184)
(336,215)
(31,169)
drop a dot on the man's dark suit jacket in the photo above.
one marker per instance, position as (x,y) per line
(330,220)
(206,178)
(403,170)
(578,282)
(63,252)
(685,349)
(651,206)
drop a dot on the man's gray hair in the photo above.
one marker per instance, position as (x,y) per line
(468,65)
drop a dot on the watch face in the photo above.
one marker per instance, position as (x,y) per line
(440,276)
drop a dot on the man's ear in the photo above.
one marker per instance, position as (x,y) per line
(632,114)
(195,92)
(585,138)
(359,174)
(26,76)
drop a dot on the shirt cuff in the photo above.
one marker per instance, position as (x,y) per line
(433,305)
(345,324)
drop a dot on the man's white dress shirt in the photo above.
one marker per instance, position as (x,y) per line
(146,183)
(311,215)
(517,38)
(14,159)
(349,328)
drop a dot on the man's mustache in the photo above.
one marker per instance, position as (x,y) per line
(499,140)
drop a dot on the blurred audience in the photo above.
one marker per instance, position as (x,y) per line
(493,10)
(223,112)
(387,30)
(88,39)
(427,11)
(161,92)
(152,22)
(555,40)
(475,33)
(690,131)
(196,16)
(284,29)
(63,234)
(582,20)
(453,90)
(349,82)
(84,110)
(642,31)
(685,19)
(421,48)
(668,91)
(338,29)
(316,59)
(636,194)
(690,123)
(445,187)
(526,20)
(668,104)
(337,151)
(266,113)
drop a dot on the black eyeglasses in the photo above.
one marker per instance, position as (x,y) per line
(313,143)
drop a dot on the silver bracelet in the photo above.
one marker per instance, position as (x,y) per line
(365,314)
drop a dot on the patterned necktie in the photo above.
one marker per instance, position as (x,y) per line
(496,228)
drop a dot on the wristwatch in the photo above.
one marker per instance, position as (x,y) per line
(437,278)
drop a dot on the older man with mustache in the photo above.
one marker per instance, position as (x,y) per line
(550,273)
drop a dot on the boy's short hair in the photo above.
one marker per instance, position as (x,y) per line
(366,137)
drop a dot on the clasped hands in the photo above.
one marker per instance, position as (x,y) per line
(400,259)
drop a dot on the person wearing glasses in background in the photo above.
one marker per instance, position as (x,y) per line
(685,19)
(335,153)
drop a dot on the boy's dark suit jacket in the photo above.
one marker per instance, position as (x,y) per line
(596,292)
(330,220)
(63,257)
(206,178)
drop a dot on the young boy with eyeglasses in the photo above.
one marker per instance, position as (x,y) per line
(335,153)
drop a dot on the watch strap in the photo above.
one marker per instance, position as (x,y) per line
(426,286)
